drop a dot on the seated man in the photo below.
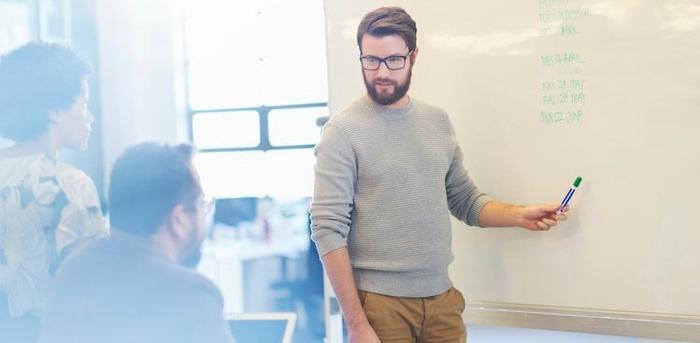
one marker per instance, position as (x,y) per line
(137,285)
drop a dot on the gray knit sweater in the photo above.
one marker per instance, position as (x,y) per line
(386,180)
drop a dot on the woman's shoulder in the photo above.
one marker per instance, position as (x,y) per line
(15,170)
(36,171)
(76,183)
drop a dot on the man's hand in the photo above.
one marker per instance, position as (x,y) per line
(363,333)
(339,271)
(540,217)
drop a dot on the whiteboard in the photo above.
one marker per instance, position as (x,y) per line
(543,91)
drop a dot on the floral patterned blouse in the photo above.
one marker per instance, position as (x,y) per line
(45,205)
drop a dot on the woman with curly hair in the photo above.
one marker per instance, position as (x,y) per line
(45,205)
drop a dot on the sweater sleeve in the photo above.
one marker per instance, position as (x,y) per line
(464,199)
(335,177)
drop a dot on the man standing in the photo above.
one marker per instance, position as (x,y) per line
(137,285)
(388,173)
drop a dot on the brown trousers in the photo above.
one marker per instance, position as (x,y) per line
(436,319)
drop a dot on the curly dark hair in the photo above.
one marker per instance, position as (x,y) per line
(35,79)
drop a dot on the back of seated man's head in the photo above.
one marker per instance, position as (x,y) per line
(155,192)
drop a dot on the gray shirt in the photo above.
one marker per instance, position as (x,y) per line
(122,290)
(385,183)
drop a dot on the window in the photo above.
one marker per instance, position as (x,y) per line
(234,129)
(257,82)
(295,126)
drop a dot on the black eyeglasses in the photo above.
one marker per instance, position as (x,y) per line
(207,204)
(392,62)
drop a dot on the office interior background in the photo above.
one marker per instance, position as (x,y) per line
(246,82)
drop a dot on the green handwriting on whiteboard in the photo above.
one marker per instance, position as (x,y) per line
(561,117)
(568,70)
(558,18)
(563,15)
(558,30)
(565,58)
(545,4)
(550,86)
(575,98)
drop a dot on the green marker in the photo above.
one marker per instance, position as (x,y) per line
(569,195)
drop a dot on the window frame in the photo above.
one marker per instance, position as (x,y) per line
(263,112)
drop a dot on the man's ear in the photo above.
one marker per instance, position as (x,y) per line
(414,55)
(179,222)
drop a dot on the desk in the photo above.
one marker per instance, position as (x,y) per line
(222,262)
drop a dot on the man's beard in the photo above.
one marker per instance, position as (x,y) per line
(193,252)
(192,259)
(388,98)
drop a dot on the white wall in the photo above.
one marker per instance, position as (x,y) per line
(630,245)
(140,57)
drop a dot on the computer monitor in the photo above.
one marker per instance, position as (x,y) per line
(232,211)
(262,327)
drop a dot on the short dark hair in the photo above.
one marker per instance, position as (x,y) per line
(148,180)
(35,79)
(386,21)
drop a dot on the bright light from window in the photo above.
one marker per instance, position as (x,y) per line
(232,174)
(278,173)
(238,129)
(290,173)
(296,126)
(245,54)
(17,25)
(253,53)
